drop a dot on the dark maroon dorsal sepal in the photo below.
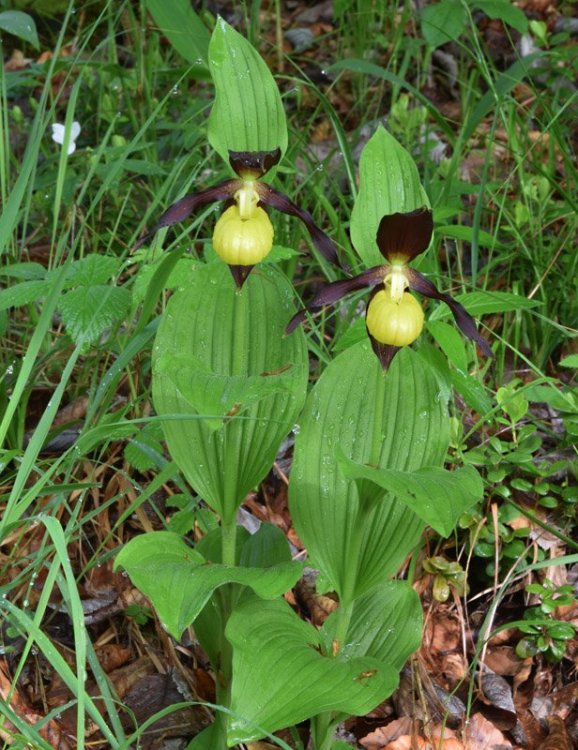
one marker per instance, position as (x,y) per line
(251,165)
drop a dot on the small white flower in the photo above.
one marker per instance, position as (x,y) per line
(58,135)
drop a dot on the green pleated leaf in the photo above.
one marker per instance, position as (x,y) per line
(451,341)
(264,549)
(184,30)
(396,420)
(280,676)
(248,114)
(388,183)
(210,393)
(385,625)
(226,333)
(472,391)
(437,496)
(178,580)
(267,547)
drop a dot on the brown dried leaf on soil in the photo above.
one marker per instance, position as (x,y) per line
(383,735)
(17,61)
(405,733)
(558,739)
(481,734)
(503,661)
(50,731)
(442,631)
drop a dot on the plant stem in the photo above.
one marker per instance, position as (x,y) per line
(226,597)
(323,725)
(377,434)
(239,343)
(228,542)
(323,730)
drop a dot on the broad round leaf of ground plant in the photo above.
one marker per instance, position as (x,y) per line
(397,420)
(280,676)
(388,183)
(248,114)
(227,381)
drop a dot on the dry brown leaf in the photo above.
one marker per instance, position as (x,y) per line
(454,668)
(50,731)
(17,61)
(498,692)
(319,606)
(537,6)
(558,739)
(381,736)
(113,656)
(442,632)
(407,742)
(72,412)
(481,734)
(503,661)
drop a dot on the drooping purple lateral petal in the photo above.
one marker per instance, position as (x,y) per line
(333,292)
(464,320)
(190,203)
(240,274)
(281,202)
(251,165)
(401,237)
(295,321)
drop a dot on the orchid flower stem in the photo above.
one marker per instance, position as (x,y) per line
(227,598)
(228,594)
(377,438)
(323,725)
(228,542)
(239,344)
(239,366)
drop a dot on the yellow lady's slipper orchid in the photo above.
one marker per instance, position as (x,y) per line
(394,318)
(244,234)
(394,323)
(243,242)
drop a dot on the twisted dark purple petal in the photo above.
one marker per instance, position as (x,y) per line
(401,237)
(464,320)
(190,203)
(281,202)
(333,292)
